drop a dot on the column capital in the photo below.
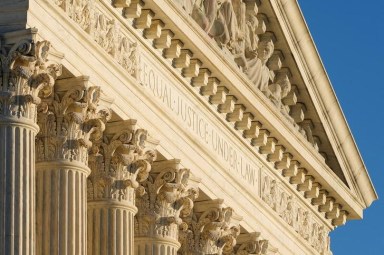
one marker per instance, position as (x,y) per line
(170,192)
(212,229)
(70,119)
(119,160)
(28,71)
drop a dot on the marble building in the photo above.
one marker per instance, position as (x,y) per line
(170,127)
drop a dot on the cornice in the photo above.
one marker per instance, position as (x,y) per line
(327,101)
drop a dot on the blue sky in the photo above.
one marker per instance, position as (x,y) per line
(349,34)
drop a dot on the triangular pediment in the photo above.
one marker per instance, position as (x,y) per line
(270,45)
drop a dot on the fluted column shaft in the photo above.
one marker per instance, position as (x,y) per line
(17,189)
(156,246)
(110,228)
(61,207)
(26,75)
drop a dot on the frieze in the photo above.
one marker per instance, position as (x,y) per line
(302,220)
(104,29)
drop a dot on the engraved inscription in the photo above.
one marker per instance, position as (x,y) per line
(165,91)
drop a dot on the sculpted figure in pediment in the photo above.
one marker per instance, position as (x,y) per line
(205,13)
(246,46)
(251,38)
(218,19)
(279,89)
(235,29)
(257,70)
(230,33)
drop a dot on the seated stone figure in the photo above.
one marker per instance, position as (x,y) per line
(248,49)
(277,91)
(257,70)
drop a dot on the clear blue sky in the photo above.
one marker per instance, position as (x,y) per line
(349,35)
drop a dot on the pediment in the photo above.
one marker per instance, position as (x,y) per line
(268,44)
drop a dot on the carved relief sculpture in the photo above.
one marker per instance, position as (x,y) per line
(293,214)
(104,30)
(270,192)
(257,70)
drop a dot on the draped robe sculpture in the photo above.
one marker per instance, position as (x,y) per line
(257,70)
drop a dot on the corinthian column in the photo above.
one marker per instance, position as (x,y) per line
(119,162)
(169,195)
(25,76)
(212,230)
(69,121)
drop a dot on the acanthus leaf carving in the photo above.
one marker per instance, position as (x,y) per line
(69,121)
(27,75)
(119,160)
(212,229)
(169,196)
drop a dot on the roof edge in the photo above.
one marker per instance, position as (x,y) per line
(337,120)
